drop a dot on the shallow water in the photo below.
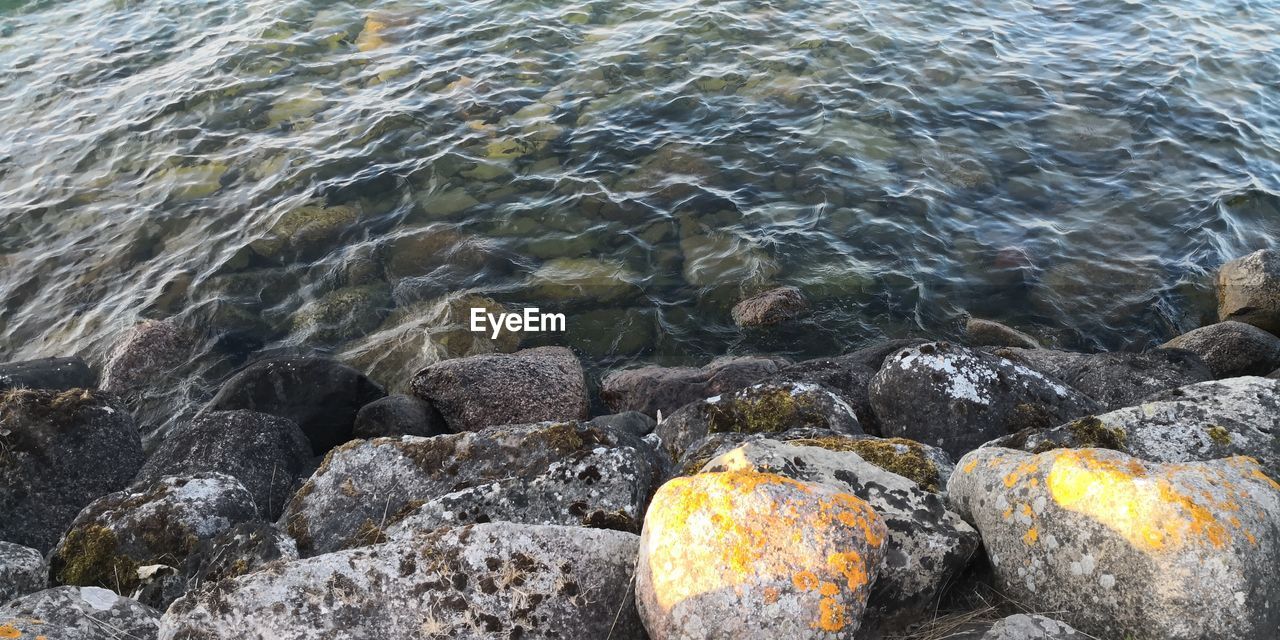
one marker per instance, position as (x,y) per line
(317,175)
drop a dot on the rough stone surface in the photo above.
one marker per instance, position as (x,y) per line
(62,449)
(76,613)
(849,375)
(22,571)
(47,373)
(1115,379)
(146,356)
(1249,290)
(666,389)
(532,385)
(320,395)
(957,398)
(988,333)
(1022,627)
(238,551)
(1232,349)
(399,415)
(761,408)
(488,582)
(927,544)
(266,453)
(1123,548)
(135,541)
(756,556)
(632,422)
(769,308)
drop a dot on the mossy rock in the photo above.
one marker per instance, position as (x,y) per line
(904,457)
(309,231)
(343,314)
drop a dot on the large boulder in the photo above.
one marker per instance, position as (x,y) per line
(61,450)
(22,571)
(240,550)
(320,395)
(651,390)
(47,373)
(1115,379)
(756,556)
(1249,290)
(532,385)
(399,415)
(769,308)
(78,613)
(957,398)
(266,453)
(136,541)
(1231,349)
(488,582)
(1123,548)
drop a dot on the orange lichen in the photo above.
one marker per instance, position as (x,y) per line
(970,466)
(833,617)
(1023,470)
(9,631)
(1031,537)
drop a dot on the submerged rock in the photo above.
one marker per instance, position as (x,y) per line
(769,308)
(1232,349)
(148,356)
(47,373)
(988,333)
(602,282)
(1119,547)
(75,613)
(343,314)
(1115,379)
(22,571)
(1249,290)
(306,232)
(399,415)
(666,389)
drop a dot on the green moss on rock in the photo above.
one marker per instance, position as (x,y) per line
(906,458)
(1090,432)
(89,557)
(1219,435)
(770,410)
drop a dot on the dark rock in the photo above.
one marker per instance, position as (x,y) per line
(75,613)
(632,422)
(1249,290)
(1115,379)
(532,385)
(666,389)
(987,333)
(399,415)
(1231,349)
(22,571)
(769,308)
(238,551)
(148,356)
(61,450)
(47,373)
(320,395)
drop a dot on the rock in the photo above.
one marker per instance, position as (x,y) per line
(653,389)
(756,556)
(761,408)
(603,282)
(238,551)
(957,398)
(22,571)
(712,259)
(927,545)
(62,449)
(488,581)
(630,422)
(266,453)
(307,232)
(532,385)
(848,375)
(343,314)
(1249,290)
(75,613)
(147,357)
(117,541)
(399,415)
(1022,627)
(1115,379)
(47,373)
(1231,349)
(1119,547)
(987,333)
(769,308)
(320,395)
(365,487)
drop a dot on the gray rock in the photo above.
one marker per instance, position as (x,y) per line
(769,308)
(47,373)
(240,550)
(666,389)
(147,357)
(957,398)
(988,333)
(632,422)
(1232,349)
(267,454)
(75,613)
(1022,627)
(1249,290)
(136,541)
(1115,379)
(488,582)
(532,385)
(399,415)
(22,571)
(62,449)
(1122,548)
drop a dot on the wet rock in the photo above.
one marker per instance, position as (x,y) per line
(849,375)
(238,551)
(1119,547)
(399,415)
(266,453)
(713,259)
(489,581)
(1115,379)
(927,545)
(532,385)
(61,450)
(653,389)
(320,395)
(22,571)
(756,556)
(1022,627)
(148,356)
(1249,290)
(75,613)
(423,251)
(957,398)
(1232,349)
(602,282)
(306,232)
(343,314)
(47,373)
(630,422)
(769,308)
(987,333)
(761,408)
(133,541)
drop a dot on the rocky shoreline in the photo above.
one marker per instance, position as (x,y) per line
(990,490)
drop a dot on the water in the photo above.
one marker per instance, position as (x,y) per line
(298,175)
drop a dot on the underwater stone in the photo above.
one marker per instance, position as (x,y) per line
(988,333)
(47,373)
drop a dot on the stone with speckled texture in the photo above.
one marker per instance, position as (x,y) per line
(22,571)
(1232,349)
(1249,290)
(77,613)
(1022,627)
(1114,379)
(1122,548)
(652,389)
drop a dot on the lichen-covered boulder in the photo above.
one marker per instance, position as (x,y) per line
(957,398)
(77,613)
(1115,379)
(61,450)
(756,556)
(22,571)
(240,550)
(137,540)
(1122,548)
(1021,627)
(769,308)
(532,385)
(320,395)
(266,453)
(489,582)
(849,375)
(399,415)
(652,389)
(47,373)
(927,545)
(1249,290)
(761,408)
(988,333)
(1232,349)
